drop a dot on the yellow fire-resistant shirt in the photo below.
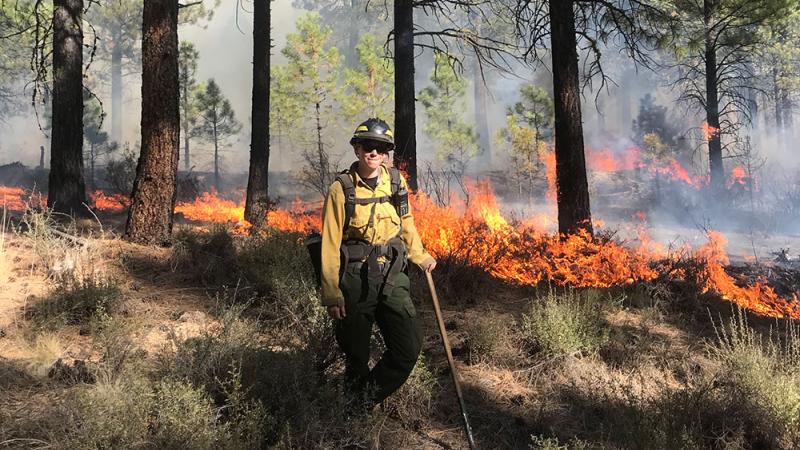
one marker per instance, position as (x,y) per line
(386,225)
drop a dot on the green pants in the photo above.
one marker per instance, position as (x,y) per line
(398,324)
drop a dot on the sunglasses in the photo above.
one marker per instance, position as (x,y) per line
(380,147)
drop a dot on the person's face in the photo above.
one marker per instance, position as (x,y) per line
(372,153)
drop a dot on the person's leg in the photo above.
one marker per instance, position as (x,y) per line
(353,332)
(402,334)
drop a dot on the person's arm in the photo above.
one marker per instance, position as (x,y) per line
(332,223)
(416,252)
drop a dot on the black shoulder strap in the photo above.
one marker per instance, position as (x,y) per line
(349,188)
(345,177)
(394,175)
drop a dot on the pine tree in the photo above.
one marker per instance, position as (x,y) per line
(187,68)
(311,75)
(150,216)
(216,122)
(257,200)
(369,86)
(529,129)
(455,140)
(66,189)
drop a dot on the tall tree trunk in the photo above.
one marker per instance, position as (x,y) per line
(216,155)
(92,158)
(66,190)
(405,155)
(185,126)
(116,87)
(712,102)
(353,34)
(257,201)
(481,119)
(154,188)
(572,186)
(776,94)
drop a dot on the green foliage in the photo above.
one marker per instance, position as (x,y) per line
(489,337)
(185,417)
(114,414)
(189,91)
(120,172)
(528,132)
(369,87)
(564,324)
(455,140)
(543,443)
(311,77)
(217,122)
(652,118)
(74,302)
(760,379)
(16,20)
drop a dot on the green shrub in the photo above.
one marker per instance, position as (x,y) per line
(74,303)
(184,417)
(114,414)
(552,443)
(566,323)
(277,265)
(489,337)
(206,361)
(761,379)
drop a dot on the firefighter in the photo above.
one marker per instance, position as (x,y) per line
(368,235)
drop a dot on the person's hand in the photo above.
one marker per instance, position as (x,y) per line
(429,265)
(336,312)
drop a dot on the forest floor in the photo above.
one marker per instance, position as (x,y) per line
(219,342)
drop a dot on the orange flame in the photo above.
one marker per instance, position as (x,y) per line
(210,207)
(709,132)
(739,177)
(109,202)
(758,298)
(11,198)
(19,199)
(605,160)
(550,167)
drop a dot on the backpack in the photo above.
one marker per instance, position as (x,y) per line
(398,198)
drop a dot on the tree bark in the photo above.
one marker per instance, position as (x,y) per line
(154,188)
(185,125)
(66,188)
(216,154)
(574,213)
(405,155)
(257,200)
(116,88)
(353,34)
(712,103)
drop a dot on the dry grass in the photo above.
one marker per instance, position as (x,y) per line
(220,343)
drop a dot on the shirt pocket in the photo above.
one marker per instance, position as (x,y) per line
(359,223)
(387,222)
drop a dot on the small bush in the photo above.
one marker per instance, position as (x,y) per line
(74,303)
(543,443)
(761,380)
(185,417)
(489,338)
(114,415)
(563,324)
(277,265)
(206,361)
